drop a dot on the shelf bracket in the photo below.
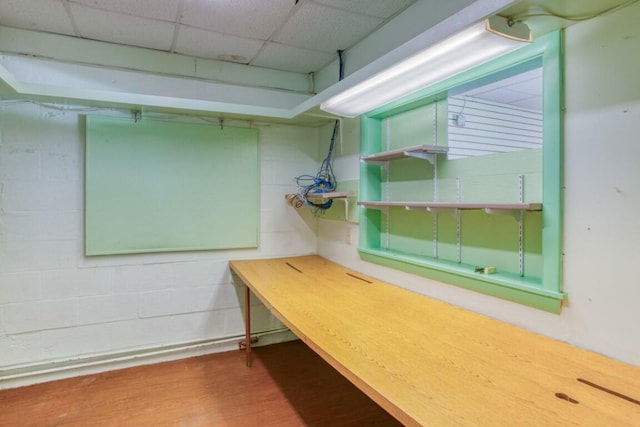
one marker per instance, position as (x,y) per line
(337,197)
(515,214)
(430,157)
(346,206)
(382,163)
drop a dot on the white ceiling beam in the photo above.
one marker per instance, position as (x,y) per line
(81,84)
(89,52)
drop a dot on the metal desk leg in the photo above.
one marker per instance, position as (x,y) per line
(247,323)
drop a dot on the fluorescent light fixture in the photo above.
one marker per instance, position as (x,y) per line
(477,44)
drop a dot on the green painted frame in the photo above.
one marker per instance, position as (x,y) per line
(546,293)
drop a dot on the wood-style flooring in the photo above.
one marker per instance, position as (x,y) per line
(288,385)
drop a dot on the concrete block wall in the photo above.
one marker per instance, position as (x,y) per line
(57,305)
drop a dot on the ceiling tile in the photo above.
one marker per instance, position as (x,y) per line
(531,103)
(289,58)
(382,9)
(522,90)
(205,44)
(249,18)
(123,29)
(38,15)
(158,9)
(529,87)
(325,29)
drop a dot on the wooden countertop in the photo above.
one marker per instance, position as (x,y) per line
(431,363)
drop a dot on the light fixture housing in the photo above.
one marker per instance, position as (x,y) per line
(475,45)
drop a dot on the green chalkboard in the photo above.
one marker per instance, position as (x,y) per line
(155,186)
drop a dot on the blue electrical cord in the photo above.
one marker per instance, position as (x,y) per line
(324,181)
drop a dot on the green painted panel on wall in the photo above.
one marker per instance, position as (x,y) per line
(490,240)
(493,178)
(409,232)
(156,186)
(486,240)
(414,125)
(410,179)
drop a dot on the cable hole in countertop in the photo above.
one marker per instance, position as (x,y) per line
(295,268)
(563,396)
(608,390)
(359,278)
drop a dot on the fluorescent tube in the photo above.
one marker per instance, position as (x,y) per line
(473,46)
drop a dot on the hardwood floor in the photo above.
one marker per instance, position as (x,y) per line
(288,385)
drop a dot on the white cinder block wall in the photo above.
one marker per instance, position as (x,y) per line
(601,204)
(57,305)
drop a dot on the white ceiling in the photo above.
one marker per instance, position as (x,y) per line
(522,90)
(300,36)
(249,58)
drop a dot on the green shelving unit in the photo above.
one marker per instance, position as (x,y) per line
(426,214)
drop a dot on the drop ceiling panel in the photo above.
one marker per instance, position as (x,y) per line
(522,90)
(157,9)
(249,18)
(529,87)
(123,29)
(38,15)
(532,103)
(381,9)
(325,29)
(276,55)
(205,44)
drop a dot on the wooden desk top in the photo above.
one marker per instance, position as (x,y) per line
(431,363)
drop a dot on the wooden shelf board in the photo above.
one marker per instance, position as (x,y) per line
(331,195)
(402,152)
(455,205)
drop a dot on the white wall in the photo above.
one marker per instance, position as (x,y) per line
(602,201)
(56,304)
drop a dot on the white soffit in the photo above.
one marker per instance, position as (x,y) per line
(17,42)
(84,84)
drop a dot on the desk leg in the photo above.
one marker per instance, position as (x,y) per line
(247,323)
